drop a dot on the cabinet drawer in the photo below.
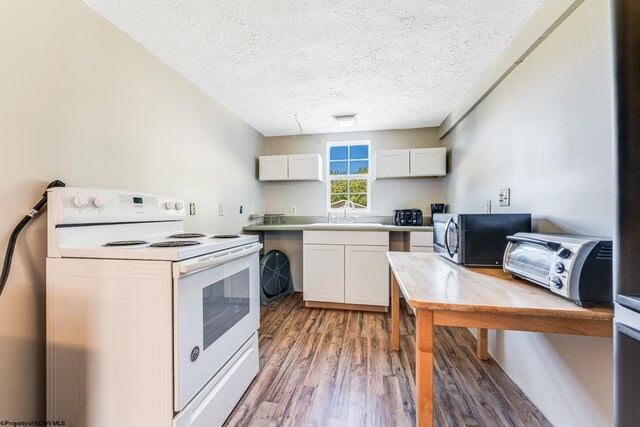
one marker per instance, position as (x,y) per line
(368,238)
(421,238)
(428,249)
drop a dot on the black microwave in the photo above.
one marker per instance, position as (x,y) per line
(477,240)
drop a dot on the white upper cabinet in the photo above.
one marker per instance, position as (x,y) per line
(392,163)
(428,162)
(407,163)
(294,167)
(305,167)
(273,168)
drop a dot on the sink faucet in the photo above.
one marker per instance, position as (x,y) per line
(348,205)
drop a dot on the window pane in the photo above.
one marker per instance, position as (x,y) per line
(358,186)
(359,167)
(338,201)
(359,152)
(359,201)
(338,168)
(338,153)
(339,186)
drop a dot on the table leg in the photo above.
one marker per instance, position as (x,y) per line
(395,314)
(482,339)
(424,368)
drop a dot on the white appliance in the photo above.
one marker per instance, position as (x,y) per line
(146,324)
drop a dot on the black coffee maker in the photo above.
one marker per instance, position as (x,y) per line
(437,208)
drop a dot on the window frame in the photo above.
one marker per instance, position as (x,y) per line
(348,176)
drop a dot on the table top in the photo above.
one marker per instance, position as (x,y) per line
(428,281)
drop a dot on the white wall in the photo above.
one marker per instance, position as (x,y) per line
(546,132)
(386,195)
(84,103)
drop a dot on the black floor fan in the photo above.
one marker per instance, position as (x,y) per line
(275,277)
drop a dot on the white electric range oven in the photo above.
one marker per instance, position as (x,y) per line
(146,324)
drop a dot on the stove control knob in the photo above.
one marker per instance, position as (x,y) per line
(99,202)
(559,268)
(557,283)
(170,205)
(564,253)
(79,202)
(179,206)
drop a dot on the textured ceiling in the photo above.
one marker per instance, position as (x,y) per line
(397,64)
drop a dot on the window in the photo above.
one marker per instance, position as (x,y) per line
(349,179)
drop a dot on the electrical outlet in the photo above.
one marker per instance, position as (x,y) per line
(241,208)
(505,197)
(192,208)
(487,206)
(220,209)
(294,210)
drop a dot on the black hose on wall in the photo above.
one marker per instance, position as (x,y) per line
(6,266)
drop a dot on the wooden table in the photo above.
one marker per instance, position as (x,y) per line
(447,294)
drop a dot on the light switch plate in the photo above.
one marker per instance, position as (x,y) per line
(220,209)
(192,208)
(505,197)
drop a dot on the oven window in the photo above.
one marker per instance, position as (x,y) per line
(224,304)
(531,258)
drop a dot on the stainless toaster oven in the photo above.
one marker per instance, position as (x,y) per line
(578,268)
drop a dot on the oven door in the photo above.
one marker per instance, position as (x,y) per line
(531,261)
(446,236)
(216,310)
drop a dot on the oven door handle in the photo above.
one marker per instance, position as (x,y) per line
(214,260)
(552,246)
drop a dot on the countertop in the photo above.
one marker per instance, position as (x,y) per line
(430,282)
(331,227)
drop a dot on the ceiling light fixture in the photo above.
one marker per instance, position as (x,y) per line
(346,120)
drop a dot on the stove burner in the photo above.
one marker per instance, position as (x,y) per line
(126,243)
(174,244)
(186,236)
(226,236)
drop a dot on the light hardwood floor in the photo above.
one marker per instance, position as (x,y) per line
(322,367)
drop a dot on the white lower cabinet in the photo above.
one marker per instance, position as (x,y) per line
(366,275)
(323,273)
(348,267)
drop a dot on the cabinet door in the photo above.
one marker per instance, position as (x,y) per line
(305,167)
(366,275)
(273,168)
(392,163)
(323,273)
(429,161)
